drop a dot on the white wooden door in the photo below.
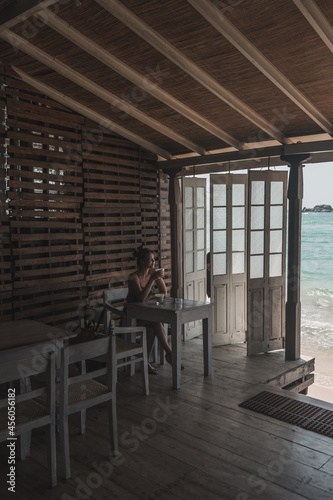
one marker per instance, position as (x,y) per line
(194,246)
(228,213)
(266,261)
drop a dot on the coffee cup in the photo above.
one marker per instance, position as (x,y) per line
(159,270)
(159,298)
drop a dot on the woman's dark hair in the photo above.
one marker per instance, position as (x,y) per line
(142,253)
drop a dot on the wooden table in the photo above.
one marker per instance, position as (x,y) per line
(177,312)
(24,335)
(26,332)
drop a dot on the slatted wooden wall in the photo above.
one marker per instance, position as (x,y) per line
(6,285)
(112,209)
(45,191)
(80,201)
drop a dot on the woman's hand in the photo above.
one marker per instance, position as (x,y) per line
(156,275)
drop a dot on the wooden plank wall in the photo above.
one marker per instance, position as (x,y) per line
(6,285)
(80,201)
(112,211)
(45,191)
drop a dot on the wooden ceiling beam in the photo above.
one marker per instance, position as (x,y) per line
(220,22)
(95,50)
(317,19)
(261,163)
(96,89)
(250,164)
(232,156)
(319,148)
(264,144)
(20,10)
(91,114)
(118,10)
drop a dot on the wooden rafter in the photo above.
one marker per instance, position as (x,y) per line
(118,10)
(19,10)
(217,19)
(319,147)
(92,115)
(248,164)
(133,76)
(317,19)
(96,89)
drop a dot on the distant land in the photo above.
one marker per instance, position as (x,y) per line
(319,208)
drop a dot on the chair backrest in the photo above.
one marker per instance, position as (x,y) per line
(101,347)
(79,392)
(114,295)
(25,364)
(114,301)
(21,364)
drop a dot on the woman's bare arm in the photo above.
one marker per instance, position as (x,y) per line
(161,286)
(134,286)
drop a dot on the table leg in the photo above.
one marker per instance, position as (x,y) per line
(130,322)
(25,439)
(176,352)
(207,344)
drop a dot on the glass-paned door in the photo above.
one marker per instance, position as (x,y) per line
(194,246)
(266,261)
(228,213)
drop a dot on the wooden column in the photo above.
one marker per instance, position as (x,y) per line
(175,201)
(293,306)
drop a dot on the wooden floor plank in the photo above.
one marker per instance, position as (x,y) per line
(215,428)
(188,444)
(328,467)
(254,452)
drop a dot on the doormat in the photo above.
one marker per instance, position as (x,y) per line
(294,412)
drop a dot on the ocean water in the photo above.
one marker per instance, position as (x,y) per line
(317,292)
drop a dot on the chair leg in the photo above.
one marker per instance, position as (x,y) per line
(162,352)
(83,421)
(82,424)
(113,428)
(145,378)
(64,445)
(25,439)
(155,351)
(25,442)
(144,366)
(51,453)
(131,366)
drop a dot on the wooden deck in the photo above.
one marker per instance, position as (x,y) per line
(193,443)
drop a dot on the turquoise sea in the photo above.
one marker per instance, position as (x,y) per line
(317,292)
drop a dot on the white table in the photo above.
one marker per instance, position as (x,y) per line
(177,312)
(23,335)
(26,332)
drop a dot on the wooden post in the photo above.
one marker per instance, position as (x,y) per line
(293,306)
(175,202)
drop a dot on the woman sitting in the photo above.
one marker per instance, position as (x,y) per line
(142,285)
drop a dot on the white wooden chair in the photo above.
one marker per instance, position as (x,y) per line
(132,351)
(79,392)
(113,301)
(23,411)
(131,343)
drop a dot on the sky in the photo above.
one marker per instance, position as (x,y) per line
(317,184)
